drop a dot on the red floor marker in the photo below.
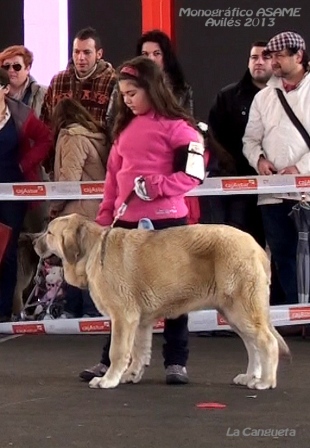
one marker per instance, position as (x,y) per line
(210,406)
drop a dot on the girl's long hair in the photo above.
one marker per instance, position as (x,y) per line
(69,111)
(144,73)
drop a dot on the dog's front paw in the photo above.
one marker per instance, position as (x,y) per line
(132,375)
(103,383)
(260,384)
(242,379)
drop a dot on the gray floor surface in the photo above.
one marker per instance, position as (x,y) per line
(44,405)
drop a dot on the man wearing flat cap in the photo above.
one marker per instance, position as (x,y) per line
(273,145)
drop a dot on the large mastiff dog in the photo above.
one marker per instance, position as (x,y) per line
(138,276)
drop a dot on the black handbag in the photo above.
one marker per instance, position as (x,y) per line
(293,117)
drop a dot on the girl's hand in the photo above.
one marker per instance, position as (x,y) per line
(140,189)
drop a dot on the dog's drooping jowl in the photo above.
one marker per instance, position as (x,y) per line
(138,276)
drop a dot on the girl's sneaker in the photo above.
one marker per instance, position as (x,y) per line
(98,370)
(176,374)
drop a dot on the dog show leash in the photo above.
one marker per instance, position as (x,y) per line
(122,209)
(120,212)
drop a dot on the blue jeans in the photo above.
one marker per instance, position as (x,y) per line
(281,236)
(12,213)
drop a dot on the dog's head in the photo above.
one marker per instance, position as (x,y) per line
(70,238)
(64,237)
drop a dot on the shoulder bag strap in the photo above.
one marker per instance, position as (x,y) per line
(293,117)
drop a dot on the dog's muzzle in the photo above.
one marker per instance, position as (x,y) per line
(41,247)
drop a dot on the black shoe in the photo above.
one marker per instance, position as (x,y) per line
(4,319)
(99,370)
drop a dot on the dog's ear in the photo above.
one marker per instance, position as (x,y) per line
(72,244)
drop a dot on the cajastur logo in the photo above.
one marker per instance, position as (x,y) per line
(299,313)
(91,326)
(302,181)
(221,320)
(28,329)
(29,190)
(160,324)
(239,184)
(96,188)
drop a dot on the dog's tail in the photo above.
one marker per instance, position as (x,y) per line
(284,351)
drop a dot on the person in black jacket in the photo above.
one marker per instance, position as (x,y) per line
(227,122)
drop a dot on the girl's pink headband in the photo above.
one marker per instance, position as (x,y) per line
(130,71)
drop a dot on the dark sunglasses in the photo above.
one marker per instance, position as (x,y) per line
(15,67)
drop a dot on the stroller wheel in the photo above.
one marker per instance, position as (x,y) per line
(21,316)
(41,315)
(56,310)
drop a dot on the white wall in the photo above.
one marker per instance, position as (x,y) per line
(46,35)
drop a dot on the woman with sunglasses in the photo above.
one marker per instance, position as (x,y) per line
(17,61)
(24,143)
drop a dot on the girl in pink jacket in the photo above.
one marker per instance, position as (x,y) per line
(158,152)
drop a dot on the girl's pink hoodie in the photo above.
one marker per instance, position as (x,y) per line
(147,148)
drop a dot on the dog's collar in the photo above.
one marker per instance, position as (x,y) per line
(103,245)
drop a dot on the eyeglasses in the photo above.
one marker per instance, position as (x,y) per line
(15,67)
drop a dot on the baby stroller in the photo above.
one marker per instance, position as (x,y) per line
(46,300)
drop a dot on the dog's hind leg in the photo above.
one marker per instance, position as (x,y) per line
(122,340)
(254,365)
(268,349)
(262,348)
(141,354)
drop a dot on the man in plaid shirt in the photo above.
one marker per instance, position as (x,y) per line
(88,79)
